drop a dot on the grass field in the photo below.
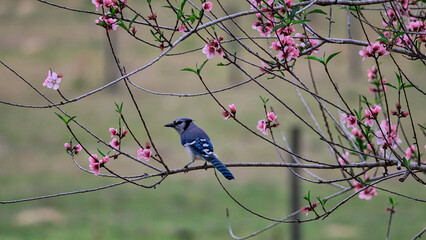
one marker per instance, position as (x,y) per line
(36,37)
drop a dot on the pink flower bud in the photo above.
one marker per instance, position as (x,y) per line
(398,105)
(207,6)
(67,146)
(133,30)
(404,113)
(232,108)
(105,159)
(152,16)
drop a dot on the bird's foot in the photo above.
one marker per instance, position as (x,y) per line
(205,166)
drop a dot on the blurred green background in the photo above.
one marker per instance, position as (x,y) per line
(36,37)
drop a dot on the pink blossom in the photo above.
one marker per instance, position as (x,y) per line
(93,158)
(288,53)
(369,121)
(77,148)
(409,152)
(369,148)
(265,29)
(255,3)
(265,68)
(298,36)
(367,193)
(285,31)
(147,145)
(108,22)
(371,50)
(262,127)
(371,114)
(416,25)
(351,120)
(67,146)
(232,110)
(95,166)
(124,133)
(345,159)
(226,114)
(105,159)
(207,6)
(209,51)
(358,134)
(286,47)
(182,28)
(271,116)
(288,3)
(307,209)
(212,48)
(52,80)
(115,143)
(97,3)
(371,73)
(113,132)
(387,137)
(109,3)
(74,149)
(144,153)
(314,42)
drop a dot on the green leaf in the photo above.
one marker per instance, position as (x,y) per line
(65,118)
(331,56)
(308,197)
(220,64)
(154,35)
(406,162)
(201,67)
(99,151)
(293,13)
(121,24)
(133,20)
(189,70)
(357,115)
(321,60)
(396,36)
(71,118)
(60,116)
(294,22)
(119,107)
(264,100)
(317,11)
(390,85)
(182,5)
(282,25)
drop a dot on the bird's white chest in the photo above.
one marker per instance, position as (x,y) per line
(191,154)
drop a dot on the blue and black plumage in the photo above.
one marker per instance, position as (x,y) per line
(198,145)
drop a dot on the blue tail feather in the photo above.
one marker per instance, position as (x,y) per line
(222,168)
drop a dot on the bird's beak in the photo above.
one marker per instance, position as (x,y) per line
(170,125)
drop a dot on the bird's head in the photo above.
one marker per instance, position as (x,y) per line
(180,124)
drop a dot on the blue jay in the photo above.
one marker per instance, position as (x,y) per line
(197,144)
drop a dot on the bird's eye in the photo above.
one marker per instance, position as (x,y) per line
(178,122)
